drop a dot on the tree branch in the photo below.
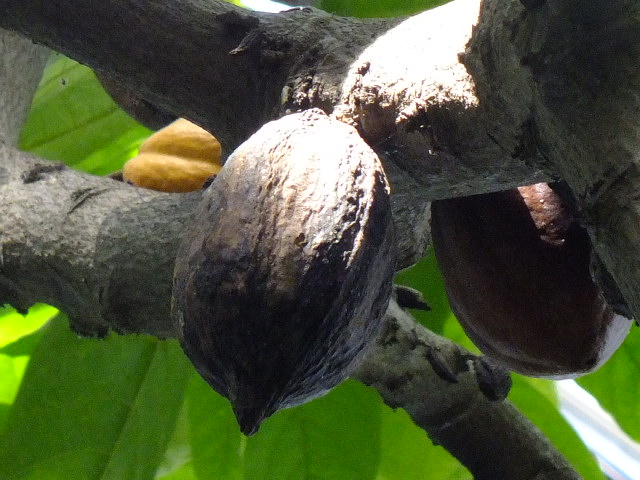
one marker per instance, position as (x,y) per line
(456,414)
(21,65)
(538,110)
(220,65)
(98,249)
(103,252)
(230,70)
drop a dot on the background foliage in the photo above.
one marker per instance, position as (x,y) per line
(133,407)
(377,8)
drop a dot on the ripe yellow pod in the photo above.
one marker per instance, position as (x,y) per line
(184,139)
(177,158)
(167,173)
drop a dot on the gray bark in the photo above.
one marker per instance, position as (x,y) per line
(104,254)
(526,113)
(231,70)
(21,64)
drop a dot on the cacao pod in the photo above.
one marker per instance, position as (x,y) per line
(283,278)
(178,158)
(516,267)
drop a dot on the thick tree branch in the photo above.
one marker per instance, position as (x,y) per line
(227,68)
(89,246)
(103,252)
(231,70)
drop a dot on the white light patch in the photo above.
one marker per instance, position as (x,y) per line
(265,6)
(618,454)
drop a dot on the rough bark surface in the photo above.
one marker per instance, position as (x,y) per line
(21,64)
(230,70)
(226,68)
(89,246)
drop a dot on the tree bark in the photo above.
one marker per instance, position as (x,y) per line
(21,64)
(231,70)
(104,254)
(538,117)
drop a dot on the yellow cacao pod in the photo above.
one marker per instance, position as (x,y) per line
(177,158)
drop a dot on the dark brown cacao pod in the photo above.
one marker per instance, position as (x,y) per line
(284,276)
(516,270)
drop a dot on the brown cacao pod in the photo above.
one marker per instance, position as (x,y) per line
(516,266)
(283,278)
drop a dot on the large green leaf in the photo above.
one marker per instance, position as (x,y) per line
(406,453)
(73,120)
(216,442)
(14,326)
(177,463)
(537,400)
(378,8)
(337,436)
(348,434)
(616,385)
(90,409)
(334,437)
(18,337)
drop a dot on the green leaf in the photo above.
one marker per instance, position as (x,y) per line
(616,385)
(91,409)
(348,434)
(216,442)
(73,120)
(537,399)
(177,463)
(18,337)
(378,8)
(406,453)
(185,472)
(11,372)
(14,326)
(336,436)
